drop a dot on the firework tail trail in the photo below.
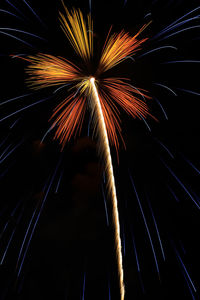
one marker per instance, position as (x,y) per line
(101,127)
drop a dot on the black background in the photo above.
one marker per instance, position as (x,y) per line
(72,237)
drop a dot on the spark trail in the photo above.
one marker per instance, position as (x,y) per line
(104,142)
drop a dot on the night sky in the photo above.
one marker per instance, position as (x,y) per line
(71,254)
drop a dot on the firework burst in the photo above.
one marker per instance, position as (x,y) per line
(90,88)
(105,95)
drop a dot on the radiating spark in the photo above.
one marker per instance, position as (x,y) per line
(13,99)
(47,70)
(89,124)
(157,230)
(157,49)
(90,5)
(124,95)
(4,229)
(165,87)
(181,61)
(83,296)
(137,261)
(22,31)
(174,27)
(189,91)
(146,225)
(124,241)
(109,293)
(70,114)
(145,122)
(189,287)
(36,221)
(136,254)
(11,237)
(34,13)
(185,269)
(16,38)
(46,133)
(129,57)
(8,12)
(174,195)
(10,152)
(25,236)
(18,55)
(4,140)
(14,123)
(61,87)
(169,152)
(181,184)
(191,164)
(105,205)
(163,110)
(59,180)
(104,142)
(2,154)
(118,47)
(24,108)
(177,32)
(6,250)
(179,19)
(78,32)
(15,8)
(147,15)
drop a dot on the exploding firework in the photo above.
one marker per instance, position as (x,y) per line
(46,70)
(78,93)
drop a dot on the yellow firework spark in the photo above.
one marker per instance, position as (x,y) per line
(118,47)
(79,33)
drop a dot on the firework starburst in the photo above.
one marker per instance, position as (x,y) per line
(103,95)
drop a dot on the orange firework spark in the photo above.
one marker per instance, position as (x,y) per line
(104,96)
(118,47)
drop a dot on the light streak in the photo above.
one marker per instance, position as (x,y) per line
(164,147)
(146,225)
(165,87)
(171,26)
(9,13)
(31,9)
(16,38)
(13,99)
(103,137)
(157,49)
(79,33)
(35,222)
(177,32)
(137,261)
(188,91)
(157,230)
(10,152)
(163,110)
(15,8)
(105,205)
(181,184)
(22,31)
(181,61)
(24,108)
(173,194)
(184,268)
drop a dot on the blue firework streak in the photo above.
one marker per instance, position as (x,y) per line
(165,190)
